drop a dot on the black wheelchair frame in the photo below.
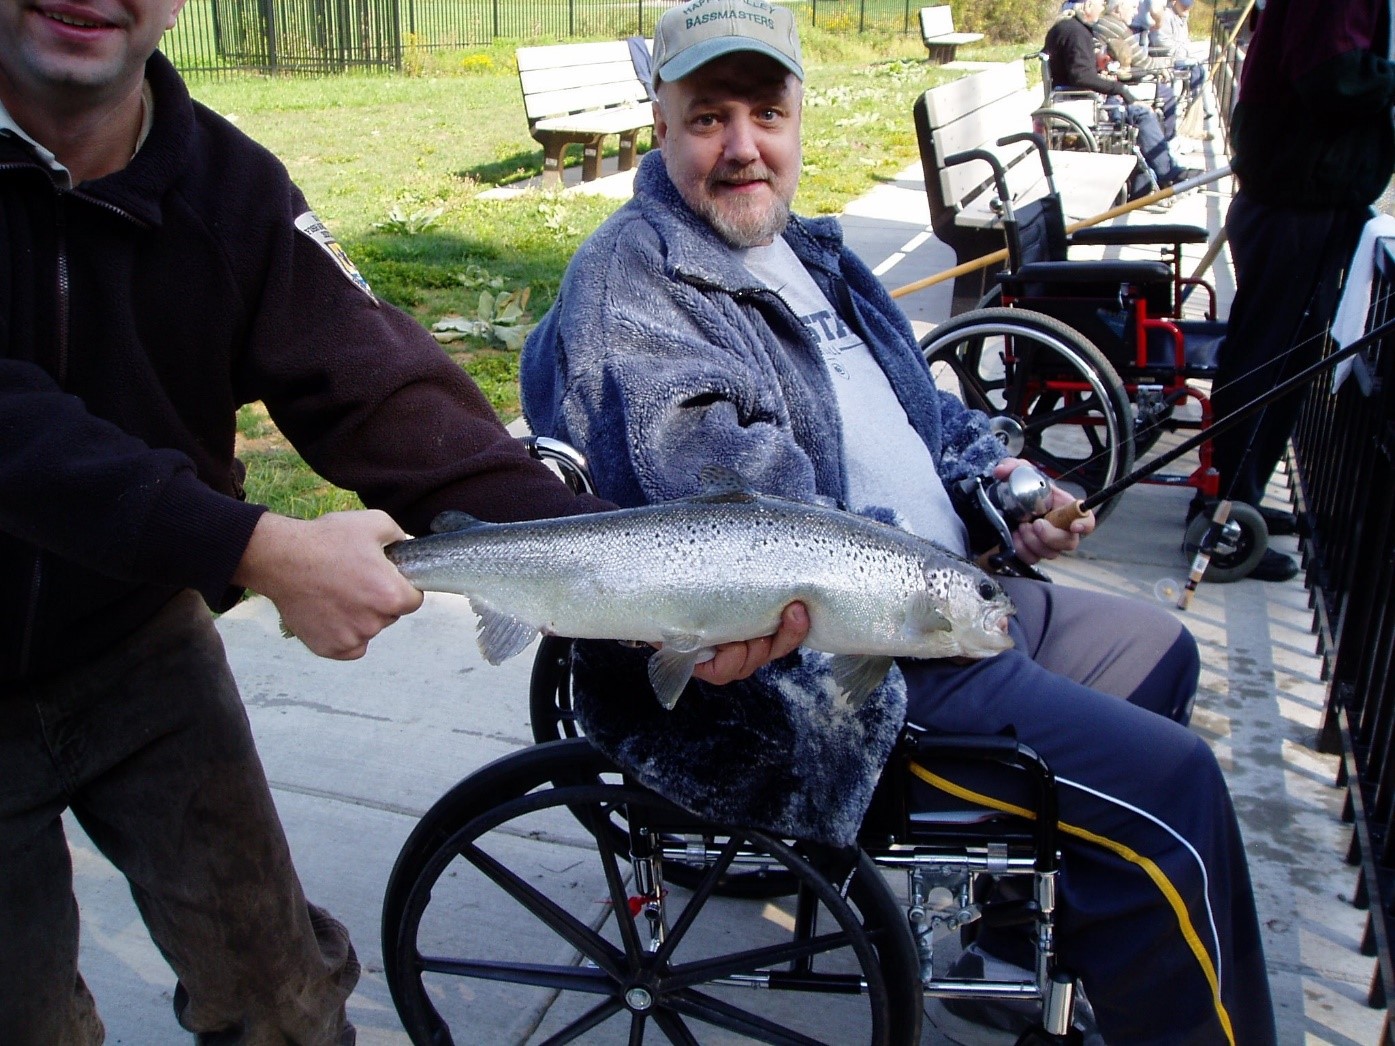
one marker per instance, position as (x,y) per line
(615,915)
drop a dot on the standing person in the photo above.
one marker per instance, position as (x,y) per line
(1070,49)
(159,270)
(704,323)
(1146,22)
(1312,148)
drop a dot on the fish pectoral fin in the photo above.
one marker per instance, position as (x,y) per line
(924,616)
(669,671)
(500,636)
(857,675)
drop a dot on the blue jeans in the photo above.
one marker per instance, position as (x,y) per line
(1152,859)
(150,747)
(1152,143)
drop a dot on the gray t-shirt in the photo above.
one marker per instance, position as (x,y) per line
(887,461)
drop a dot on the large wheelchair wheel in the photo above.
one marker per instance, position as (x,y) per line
(553,719)
(1064,132)
(506,921)
(1053,398)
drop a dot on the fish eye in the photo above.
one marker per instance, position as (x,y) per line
(987,589)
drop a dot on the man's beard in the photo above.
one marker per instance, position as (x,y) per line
(745,223)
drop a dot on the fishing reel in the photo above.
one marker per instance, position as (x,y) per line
(993,508)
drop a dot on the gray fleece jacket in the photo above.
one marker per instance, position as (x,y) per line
(661,355)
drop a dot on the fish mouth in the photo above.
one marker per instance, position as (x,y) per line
(994,620)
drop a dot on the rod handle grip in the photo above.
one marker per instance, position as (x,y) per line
(1064,515)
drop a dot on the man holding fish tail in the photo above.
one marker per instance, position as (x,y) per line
(159,270)
(705,325)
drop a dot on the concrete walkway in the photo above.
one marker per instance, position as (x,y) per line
(357,752)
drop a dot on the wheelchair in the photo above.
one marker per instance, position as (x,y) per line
(613,915)
(1082,366)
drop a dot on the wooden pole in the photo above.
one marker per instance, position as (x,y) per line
(1205,178)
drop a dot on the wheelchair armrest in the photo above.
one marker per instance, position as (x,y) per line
(1074,272)
(1114,235)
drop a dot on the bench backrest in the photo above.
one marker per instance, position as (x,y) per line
(936,21)
(973,113)
(570,78)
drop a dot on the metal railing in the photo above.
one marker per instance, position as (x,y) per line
(1344,479)
(313,37)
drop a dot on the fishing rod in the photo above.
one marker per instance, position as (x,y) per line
(1065,515)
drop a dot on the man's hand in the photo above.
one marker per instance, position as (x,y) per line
(1037,539)
(735,661)
(329,578)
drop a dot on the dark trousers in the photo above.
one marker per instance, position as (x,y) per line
(1288,267)
(150,748)
(1157,913)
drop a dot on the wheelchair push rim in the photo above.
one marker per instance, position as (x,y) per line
(1051,396)
(502,914)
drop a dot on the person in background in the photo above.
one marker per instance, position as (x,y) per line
(159,271)
(1312,147)
(1133,61)
(1070,49)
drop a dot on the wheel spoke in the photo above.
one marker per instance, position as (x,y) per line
(704,891)
(710,1010)
(573,931)
(562,978)
(592,1018)
(752,960)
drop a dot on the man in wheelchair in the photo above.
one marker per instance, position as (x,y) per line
(1070,47)
(703,323)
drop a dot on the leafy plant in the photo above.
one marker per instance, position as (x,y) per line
(410,224)
(500,319)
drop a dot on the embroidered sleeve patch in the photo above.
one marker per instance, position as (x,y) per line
(312,227)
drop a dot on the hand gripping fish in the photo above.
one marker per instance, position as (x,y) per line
(693,573)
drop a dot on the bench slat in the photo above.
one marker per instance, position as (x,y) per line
(601,121)
(552,56)
(576,100)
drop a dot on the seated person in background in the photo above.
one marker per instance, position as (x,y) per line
(703,323)
(1175,38)
(1070,46)
(1132,58)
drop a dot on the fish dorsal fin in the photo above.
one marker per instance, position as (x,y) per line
(500,636)
(720,483)
(924,616)
(450,522)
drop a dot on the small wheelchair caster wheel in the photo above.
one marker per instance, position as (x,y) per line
(1243,539)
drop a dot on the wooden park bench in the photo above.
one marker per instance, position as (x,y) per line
(975,112)
(937,31)
(580,94)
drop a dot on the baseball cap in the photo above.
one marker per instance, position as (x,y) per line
(690,36)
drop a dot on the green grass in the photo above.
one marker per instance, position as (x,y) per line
(395,165)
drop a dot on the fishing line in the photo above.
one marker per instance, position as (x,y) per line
(1282,357)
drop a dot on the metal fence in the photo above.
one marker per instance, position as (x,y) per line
(1344,453)
(311,37)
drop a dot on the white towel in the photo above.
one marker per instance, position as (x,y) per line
(1349,323)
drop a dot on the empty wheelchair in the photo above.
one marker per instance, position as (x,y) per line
(549,898)
(1083,365)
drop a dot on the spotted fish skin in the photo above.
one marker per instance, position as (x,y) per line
(694,573)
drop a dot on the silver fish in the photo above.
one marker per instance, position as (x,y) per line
(701,571)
